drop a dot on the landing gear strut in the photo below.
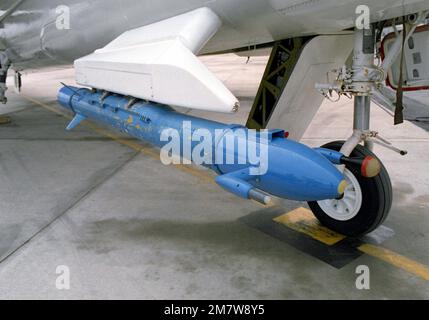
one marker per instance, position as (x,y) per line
(366,201)
(4,67)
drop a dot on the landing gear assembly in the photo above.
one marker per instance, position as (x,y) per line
(4,67)
(367,200)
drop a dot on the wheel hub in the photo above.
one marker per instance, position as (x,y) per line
(348,206)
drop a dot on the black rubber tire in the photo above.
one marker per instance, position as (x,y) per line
(376,199)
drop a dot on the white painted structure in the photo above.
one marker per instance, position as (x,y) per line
(158,62)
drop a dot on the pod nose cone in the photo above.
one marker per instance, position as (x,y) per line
(371,167)
(342,187)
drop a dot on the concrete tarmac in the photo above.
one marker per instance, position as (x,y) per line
(128,227)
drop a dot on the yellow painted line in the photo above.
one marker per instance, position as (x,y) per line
(4,120)
(303,220)
(396,260)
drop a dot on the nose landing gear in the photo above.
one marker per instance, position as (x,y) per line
(4,67)
(367,200)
